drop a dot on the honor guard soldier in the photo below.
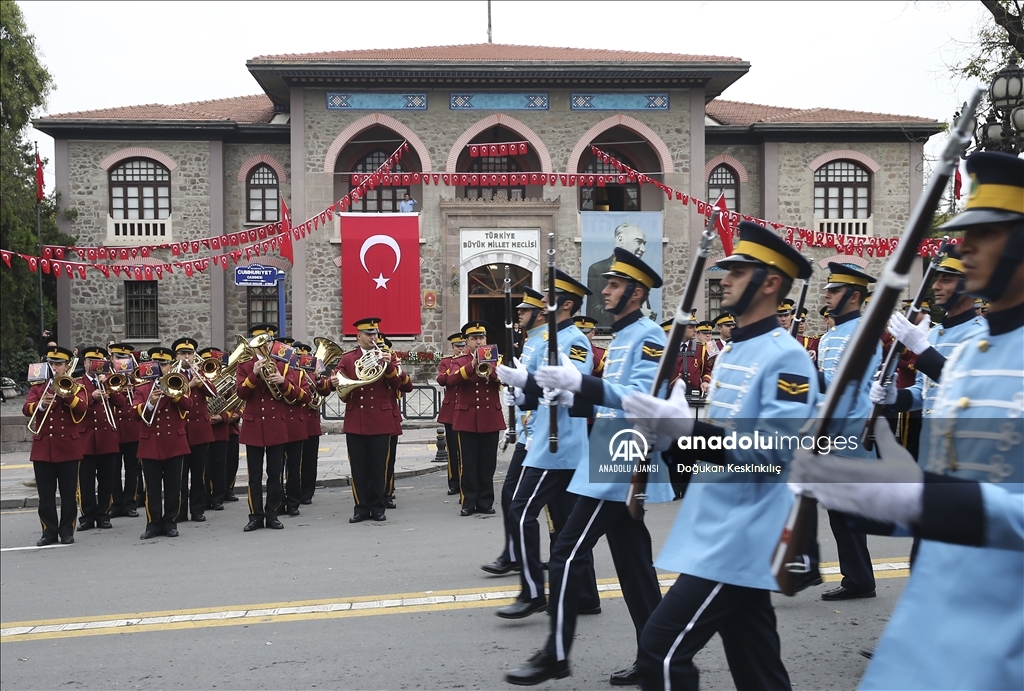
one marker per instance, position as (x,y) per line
(633,357)
(404,386)
(447,411)
(56,408)
(264,429)
(478,420)
(321,385)
(723,538)
(128,496)
(368,420)
(958,621)
(785,313)
(99,440)
(527,313)
(546,473)
(809,343)
(200,434)
(845,291)
(216,463)
(163,404)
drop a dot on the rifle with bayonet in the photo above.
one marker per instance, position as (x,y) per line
(553,359)
(510,353)
(794,327)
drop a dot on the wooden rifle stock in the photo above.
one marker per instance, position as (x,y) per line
(552,339)
(510,349)
(789,559)
(886,370)
(667,365)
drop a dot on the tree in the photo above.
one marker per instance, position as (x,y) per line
(24,86)
(998,39)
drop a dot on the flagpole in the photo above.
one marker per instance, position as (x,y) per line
(39,246)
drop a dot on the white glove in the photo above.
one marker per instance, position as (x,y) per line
(559,397)
(655,441)
(511,396)
(565,376)
(883,396)
(513,376)
(889,490)
(914,337)
(670,418)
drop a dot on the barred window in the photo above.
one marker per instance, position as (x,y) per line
(261,191)
(382,198)
(714,297)
(724,180)
(495,164)
(140,188)
(842,189)
(140,310)
(613,196)
(262,305)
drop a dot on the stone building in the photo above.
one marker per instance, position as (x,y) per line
(200,170)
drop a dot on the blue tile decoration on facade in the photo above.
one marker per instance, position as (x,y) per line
(502,101)
(375,101)
(620,101)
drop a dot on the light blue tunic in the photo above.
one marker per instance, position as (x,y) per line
(572,431)
(960,621)
(730,521)
(532,350)
(628,369)
(855,406)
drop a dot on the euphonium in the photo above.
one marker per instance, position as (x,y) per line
(226,398)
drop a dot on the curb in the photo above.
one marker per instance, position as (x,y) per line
(33,501)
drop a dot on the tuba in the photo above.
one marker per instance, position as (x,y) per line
(226,398)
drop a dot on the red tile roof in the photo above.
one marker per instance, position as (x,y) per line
(493,52)
(746,114)
(240,109)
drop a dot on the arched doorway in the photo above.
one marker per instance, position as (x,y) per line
(486,293)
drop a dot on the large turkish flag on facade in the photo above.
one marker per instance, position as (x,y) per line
(380,271)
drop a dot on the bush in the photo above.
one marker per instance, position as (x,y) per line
(15,365)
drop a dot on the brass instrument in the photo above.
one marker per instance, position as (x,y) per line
(63,386)
(369,368)
(266,368)
(172,385)
(105,389)
(226,399)
(206,370)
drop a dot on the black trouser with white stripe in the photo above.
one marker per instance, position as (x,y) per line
(508,490)
(630,545)
(540,487)
(693,611)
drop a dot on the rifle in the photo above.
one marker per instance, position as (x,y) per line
(510,347)
(552,339)
(788,562)
(794,328)
(667,365)
(886,370)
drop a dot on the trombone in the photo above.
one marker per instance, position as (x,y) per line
(207,370)
(116,383)
(172,385)
(63,386)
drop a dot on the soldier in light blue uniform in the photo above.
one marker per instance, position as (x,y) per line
(763,387)
(844,295)
(546,475)
(630,366)
(959,622)
(527,311)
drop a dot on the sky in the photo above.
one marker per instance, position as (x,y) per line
(887,57)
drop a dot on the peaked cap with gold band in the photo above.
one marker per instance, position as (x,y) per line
(996,191)
(477,327)
(629,266)
(59,354)
(185,344)
(585,324)
(122,348)
(369,325)
(725,319)
(210,352)
(785,307)
(260,329)
(705,327)
(758,245)
(301,348)
(843,275)
(96,352)
(564,283)
(532,300)
(161,354)
(951,263)
(457,339)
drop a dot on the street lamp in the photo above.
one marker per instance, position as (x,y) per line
(1003,129)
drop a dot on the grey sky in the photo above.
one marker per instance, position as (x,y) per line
(884,57)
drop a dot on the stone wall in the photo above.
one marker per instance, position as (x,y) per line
(750,156)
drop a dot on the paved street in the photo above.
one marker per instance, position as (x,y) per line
(324,604)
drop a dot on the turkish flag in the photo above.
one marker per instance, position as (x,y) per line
(380,277)
(286,229)
(723,226)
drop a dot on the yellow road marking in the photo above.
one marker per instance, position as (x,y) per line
(16,466)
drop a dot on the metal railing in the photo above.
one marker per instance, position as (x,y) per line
(419,404)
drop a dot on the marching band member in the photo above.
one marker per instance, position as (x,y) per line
(220,426)
(785,313)
(589,328)
(633,356)
(200,435)
(297,407)
(447,411)
(725,322)
(163,446)
(100,443)
(809,343)
(231,462)
(404,386)
(128,496)
(311,447)
(958,623)
(728,523)
(56,452)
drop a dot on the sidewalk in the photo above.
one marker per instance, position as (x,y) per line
(416,453)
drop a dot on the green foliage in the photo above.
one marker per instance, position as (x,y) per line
(24,84)
(996,41)
(15,364)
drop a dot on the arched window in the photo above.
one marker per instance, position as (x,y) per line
(381,198)
(262,194)
(495,164)
(842,189)
(613,196)
(724,180)
(140,188)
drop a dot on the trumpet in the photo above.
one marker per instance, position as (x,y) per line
(63,386)
(172,385)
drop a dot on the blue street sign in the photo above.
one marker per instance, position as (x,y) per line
(256,275)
